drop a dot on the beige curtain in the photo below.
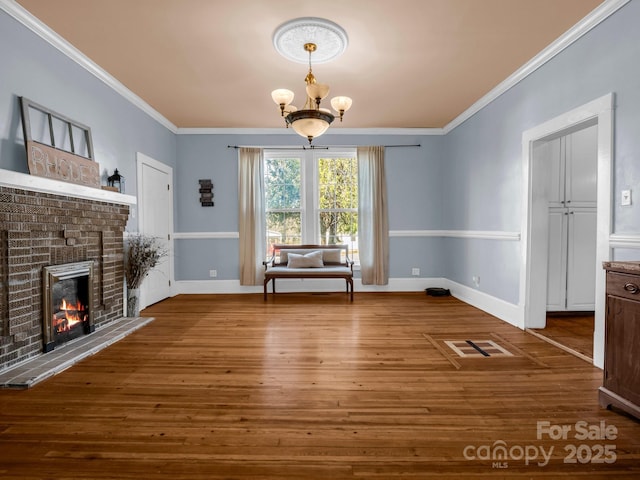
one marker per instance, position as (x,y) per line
(373,222)
(251,215)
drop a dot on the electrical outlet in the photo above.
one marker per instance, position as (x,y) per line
(415,272)
(213,273)
(476,280)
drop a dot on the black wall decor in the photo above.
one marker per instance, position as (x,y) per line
(206,192)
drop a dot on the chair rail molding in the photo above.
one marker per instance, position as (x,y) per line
(473,234)
(624,240)
(204,235)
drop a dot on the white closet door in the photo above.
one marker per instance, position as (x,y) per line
(582,167)
(557,266)
(554,152)
(581,274)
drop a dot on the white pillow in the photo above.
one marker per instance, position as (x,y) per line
(332,255)
(310,260)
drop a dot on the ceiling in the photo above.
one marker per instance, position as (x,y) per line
(212,64)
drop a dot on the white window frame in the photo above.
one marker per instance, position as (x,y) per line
(310,194)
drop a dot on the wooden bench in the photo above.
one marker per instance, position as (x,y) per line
(332,262)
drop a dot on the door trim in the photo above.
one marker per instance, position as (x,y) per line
(532,303)
(141,160)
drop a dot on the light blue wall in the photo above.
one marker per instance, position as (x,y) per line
(470,179)
(484,154)
(413,183)
(32,68)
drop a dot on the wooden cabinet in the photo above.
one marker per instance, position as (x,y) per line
(621,385)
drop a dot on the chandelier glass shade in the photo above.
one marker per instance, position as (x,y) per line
(311,120)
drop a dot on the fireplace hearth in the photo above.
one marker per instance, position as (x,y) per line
(67,308)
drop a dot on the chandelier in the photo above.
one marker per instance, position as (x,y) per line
(311,120)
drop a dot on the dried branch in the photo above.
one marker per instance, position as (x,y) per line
(142,254)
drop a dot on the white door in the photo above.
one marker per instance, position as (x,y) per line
(571,194)
(581,250)
(582,168)
(557,267)
(155,202)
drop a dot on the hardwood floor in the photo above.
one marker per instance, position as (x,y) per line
(574,332)
(316,387)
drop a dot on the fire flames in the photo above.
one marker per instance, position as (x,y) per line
(68,316)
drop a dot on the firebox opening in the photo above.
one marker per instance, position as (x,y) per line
(67,309)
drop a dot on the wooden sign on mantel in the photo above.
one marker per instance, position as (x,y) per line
(49,162)
(63,149)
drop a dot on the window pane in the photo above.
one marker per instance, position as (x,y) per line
(61,134)
(338,202)
(338,183)
(283,228)
(80,141)
(327,198)
(282,183)
(39,126)
(340,228)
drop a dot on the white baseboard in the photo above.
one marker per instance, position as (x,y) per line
(506,311)
(304,285)
(212,286)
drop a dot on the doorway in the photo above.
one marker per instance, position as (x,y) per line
(570,160)
(155,219)
(535,223)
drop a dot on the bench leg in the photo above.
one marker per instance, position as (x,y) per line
(350,283)
(266,283)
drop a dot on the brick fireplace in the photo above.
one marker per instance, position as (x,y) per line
(46,223)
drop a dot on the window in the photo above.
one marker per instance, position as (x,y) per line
(311,197)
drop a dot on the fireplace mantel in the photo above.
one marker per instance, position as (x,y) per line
(9,178)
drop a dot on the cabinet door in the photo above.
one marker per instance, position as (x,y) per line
(581,153)
(622,337)
(552,152)
(581,254)
(557,264)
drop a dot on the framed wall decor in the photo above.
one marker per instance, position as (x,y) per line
(58,147)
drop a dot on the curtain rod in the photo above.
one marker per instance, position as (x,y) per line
(322,147)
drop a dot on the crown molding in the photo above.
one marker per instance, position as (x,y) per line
(23,16)
(598,15)
(286,131)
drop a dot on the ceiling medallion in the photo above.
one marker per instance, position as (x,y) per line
(309,36)
(330,38)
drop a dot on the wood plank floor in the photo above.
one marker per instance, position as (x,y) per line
(573,331)
(316,387)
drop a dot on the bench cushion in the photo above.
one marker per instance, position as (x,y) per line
(337,271)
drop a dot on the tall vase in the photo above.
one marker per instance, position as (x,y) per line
(133,302)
